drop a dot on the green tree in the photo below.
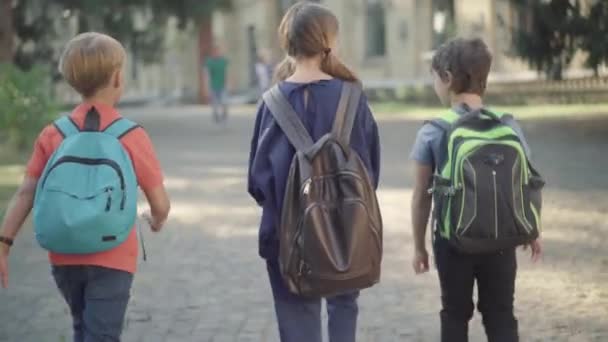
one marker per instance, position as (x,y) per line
(36,24)
(548,34)
(595,39)
(27,104)
(6,31)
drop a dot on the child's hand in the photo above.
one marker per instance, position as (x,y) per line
(154,226)
(421,261)
(4,268)
(536,250)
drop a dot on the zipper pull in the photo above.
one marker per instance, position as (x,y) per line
(123,200)
(109,201)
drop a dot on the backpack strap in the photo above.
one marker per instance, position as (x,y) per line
(439,123)
(288,119)
(446,128)
(347,112)
(66,126)
(120,127)
(509,120)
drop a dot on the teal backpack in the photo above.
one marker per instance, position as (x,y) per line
(487,194)
(86,199)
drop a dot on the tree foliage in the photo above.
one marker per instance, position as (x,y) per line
(595,39)
(140,24)
(550,32)
(26,102)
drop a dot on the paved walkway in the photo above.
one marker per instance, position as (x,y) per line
(204,282)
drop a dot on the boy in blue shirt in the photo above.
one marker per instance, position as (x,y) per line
(460,70)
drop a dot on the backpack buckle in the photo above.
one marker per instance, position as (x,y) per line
(306,188)
(451,191)
(304,269)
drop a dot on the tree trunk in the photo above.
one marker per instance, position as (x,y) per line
(205,43)
(6,31)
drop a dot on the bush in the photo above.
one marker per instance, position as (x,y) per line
(26,104)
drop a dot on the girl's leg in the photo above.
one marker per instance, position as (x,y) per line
(299,318)
(343,311)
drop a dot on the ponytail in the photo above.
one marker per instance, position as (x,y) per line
(333,66)
(306,31)
(285,69)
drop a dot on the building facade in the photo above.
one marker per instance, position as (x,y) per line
(389,43)
(385,41)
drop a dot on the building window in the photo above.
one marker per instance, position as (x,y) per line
(285,4)
(444,27)
(375,28)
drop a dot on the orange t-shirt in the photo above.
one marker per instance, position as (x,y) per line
(147,169)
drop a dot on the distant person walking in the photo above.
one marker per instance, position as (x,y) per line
(263,71)
(216,70)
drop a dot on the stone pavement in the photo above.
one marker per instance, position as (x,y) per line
(203,280)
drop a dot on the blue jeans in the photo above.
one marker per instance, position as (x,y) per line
(299,318)
(219,104)
(97,298)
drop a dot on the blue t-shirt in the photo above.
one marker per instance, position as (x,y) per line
(427,147)
(271,153)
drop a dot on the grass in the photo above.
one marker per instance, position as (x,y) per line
(11,173)
(392,109)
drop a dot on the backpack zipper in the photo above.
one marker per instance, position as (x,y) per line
(91,161)
(457,143)
(495,204)
(109,201)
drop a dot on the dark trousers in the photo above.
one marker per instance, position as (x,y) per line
(299,318)
(97,298)
(495,276)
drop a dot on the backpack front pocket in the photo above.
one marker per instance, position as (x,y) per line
(491,178)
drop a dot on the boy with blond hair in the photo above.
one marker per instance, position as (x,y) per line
(82,183)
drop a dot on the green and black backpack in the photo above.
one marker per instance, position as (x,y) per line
(487,194)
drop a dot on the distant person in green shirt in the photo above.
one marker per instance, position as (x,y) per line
(216,67)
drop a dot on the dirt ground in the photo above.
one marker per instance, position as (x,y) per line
(204,282)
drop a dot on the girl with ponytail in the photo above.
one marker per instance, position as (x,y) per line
(311,78)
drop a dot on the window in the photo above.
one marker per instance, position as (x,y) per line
(443,24)
(375,29)
(285,4)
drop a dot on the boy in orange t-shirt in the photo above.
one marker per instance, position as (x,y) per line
(96,286)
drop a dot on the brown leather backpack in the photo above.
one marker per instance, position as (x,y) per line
(331,228)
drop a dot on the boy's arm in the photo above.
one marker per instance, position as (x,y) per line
(158,199)
(149,177)
(22,201)
(421,207)
(424,162)
(19,208)
(421,204)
